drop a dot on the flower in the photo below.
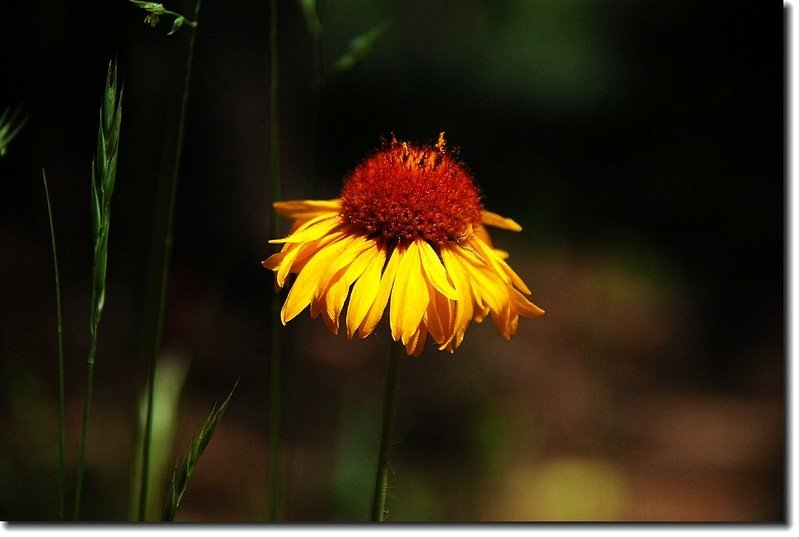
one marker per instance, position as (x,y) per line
(407,232)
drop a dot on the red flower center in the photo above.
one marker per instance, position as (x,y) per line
(404,192)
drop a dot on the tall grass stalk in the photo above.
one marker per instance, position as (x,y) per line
(102,187)
(170,380)
(381,479)
(311,10)
(275,393)
(62,434)
(180,480)
(165,255)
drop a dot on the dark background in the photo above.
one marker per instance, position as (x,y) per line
(639,144)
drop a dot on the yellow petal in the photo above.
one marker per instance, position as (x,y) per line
(415,343)
(507,319)
(480,314)
(514,325)
(273,261)
(481,232)
(438,317)
(308,249)
(308,280)
(381,297)
(518,283)
(487,255)
(294,256)
(286,264)
(303,224)
(356,244)
(409,296)
(493,219)
(311,230)
(464,308)
(434,271)
(364,292)
(351,246)
(486,288)
(337,291)
(524,306)
(506,322)
(502,268)
(317,307)
(329,271)
(502,254)
(306,209)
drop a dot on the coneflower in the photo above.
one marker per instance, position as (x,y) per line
(407,232)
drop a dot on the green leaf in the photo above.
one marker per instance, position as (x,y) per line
(180,481)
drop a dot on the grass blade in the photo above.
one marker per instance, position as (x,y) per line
(10,126)
(170,380)
(102,186)
(274,478)
(180,480)
(159,272)
(62,440)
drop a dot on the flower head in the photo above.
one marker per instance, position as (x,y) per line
(407,232)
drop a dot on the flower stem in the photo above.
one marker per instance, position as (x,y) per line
(166,250)
(62,436)
(275,396)
(381,480)
(87,404)
(275,399)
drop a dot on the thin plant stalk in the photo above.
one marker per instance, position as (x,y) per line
(164,272)
(180,480)
(311,10)
(85,429)
(62,434)
(381,479)
(102,187)
(275,393)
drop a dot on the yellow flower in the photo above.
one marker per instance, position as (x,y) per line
(407,232)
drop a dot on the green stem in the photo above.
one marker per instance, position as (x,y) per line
(275,399)
(381,480)
(319,91)
(162,285)
(186,21)
(62,436)
(87,404)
